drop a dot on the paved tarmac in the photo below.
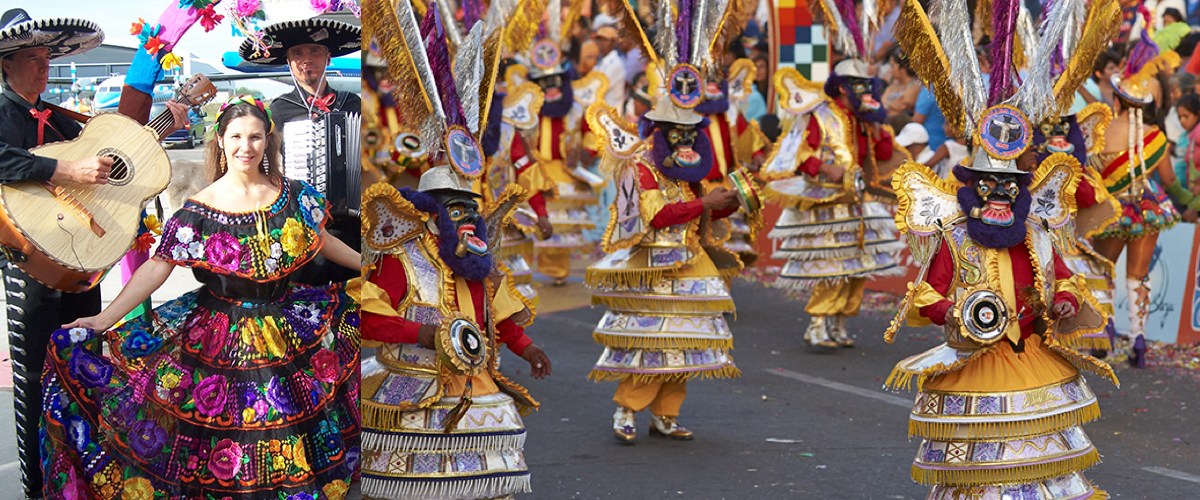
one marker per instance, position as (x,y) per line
(802,424)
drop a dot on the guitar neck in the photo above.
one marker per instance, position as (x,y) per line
(163,122)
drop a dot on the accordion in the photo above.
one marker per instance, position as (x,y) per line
(325,153)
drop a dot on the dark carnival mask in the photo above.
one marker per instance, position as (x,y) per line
(462,234)
(682,152)
(559,94)
(716,98)
(997,194)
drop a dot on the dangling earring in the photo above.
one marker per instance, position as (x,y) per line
(266,166)
(223,164)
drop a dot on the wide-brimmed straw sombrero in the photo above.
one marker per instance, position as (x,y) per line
(63,36)
(339,37)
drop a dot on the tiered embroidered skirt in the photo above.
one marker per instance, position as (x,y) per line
(997,424)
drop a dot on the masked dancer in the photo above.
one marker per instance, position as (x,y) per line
(831,169)
(440,420)
(1001,403)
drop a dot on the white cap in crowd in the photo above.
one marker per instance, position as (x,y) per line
(913,133)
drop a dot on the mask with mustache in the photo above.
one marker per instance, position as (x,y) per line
(559,94)
(716,98)
(996,204)
(862,93)
(1060,135)
(682,152)
(462,235)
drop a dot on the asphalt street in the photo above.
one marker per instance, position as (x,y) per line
(805,424)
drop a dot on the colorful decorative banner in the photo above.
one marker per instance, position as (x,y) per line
(797,41)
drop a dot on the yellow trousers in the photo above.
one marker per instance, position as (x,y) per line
(663,398)
(554,265)
(843,298)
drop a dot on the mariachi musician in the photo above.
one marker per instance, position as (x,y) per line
(307,46)
(35,310)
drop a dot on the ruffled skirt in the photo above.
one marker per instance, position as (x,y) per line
(1152,213)
(1003,424)
(210,399)
(834,242)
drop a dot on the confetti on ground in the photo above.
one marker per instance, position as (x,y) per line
(781,440)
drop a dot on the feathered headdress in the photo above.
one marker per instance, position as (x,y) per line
(1145,61)
(444,102)
(689,38)
(997,116)
(944,58)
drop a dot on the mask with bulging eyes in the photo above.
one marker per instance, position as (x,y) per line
(997,193)
(464,219)
(1055,131)
(864,90)
(681,139)
(551,87)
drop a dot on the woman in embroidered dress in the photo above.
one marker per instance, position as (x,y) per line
(234,391)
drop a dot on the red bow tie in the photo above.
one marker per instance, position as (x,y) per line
(43,118)
(322,103)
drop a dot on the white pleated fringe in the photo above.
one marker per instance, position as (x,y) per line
(465,489)
(878,224)
(441,442)
(802,283)
(837,253)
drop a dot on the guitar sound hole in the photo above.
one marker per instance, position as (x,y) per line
(122,169)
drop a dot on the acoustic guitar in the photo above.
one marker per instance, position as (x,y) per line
(68,235)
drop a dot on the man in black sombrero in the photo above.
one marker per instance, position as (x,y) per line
(35,310)
(307,46)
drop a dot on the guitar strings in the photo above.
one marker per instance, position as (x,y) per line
(90,195)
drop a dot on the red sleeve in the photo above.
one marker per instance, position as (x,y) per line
(513,336)
(941,275)
(516,153)
(1193,64)
(674,213)
(518,156)
(390,276)
(883,148)
(1062,272)
(812,164)
(538,203)
(1085,195)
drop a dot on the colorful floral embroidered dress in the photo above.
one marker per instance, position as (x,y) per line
(238,390)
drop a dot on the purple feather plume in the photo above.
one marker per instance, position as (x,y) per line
(1004,27)
(1144,51)
(473,11)
(439,62)
(683,30)
(846,10)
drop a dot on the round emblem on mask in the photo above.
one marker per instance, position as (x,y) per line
(463,152)
(687,87)
(545,54)
(985,316)
(1004,132)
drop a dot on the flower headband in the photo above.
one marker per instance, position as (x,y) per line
(246,99)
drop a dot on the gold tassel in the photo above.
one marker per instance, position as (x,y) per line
(459,411)
(1008,475)
(942,431)
(646,378)
(664,305)
(659,342)
(632,279)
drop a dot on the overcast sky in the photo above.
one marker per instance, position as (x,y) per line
(115,18)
